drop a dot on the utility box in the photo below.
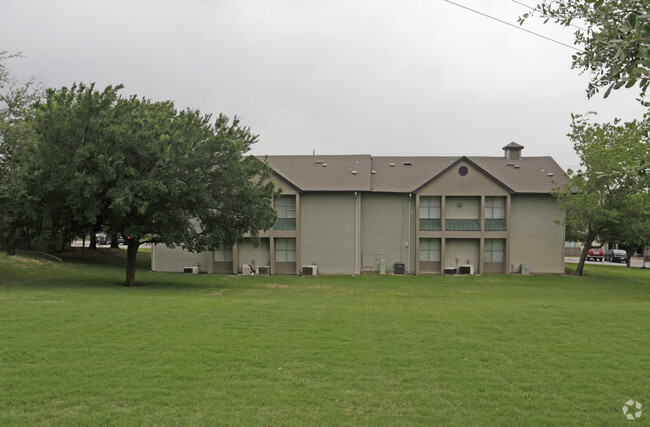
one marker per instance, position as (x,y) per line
(263,270)
(191,270)
(524,269)
(399,268)
(382,266)
(466,269)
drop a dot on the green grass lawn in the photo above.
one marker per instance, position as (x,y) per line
(77,348)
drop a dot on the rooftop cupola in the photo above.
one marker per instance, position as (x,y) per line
(513,151)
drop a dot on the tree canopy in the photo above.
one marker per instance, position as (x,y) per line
(141,168)
(613,38)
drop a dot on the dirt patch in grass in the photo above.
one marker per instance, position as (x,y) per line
(283,286)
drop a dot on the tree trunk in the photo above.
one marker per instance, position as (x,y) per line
(93,241)
(629,252)
(114,243)
(583,258)
(586,245)
(133,245)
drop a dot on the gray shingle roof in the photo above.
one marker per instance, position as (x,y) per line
(407,174)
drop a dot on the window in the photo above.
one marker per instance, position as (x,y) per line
(430,213)
(430,250)
(285,250)
(223,254)
(495,207)
(494,250)
(286,208)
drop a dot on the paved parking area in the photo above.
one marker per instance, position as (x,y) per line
(636,262)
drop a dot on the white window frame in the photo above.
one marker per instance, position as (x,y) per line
(286,206)
(430,207)
(495,207)
(222,254)
(494,250)
(285,250)
(429,250)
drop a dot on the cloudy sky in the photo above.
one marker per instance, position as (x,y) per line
(409,77)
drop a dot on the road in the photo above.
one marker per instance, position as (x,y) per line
(636,262)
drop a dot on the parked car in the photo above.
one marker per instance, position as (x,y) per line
(102,239)
(596,254)
(616,255)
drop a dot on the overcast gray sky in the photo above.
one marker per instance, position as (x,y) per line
(408,77)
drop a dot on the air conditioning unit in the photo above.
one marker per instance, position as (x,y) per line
(246,270)
(191,270)
(310,270)
(263,270)
(465,269)
(399,268)
(524,269)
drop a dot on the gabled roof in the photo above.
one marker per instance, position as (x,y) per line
(408,174)
(324,173)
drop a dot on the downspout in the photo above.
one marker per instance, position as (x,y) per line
(357,213)
(408,243)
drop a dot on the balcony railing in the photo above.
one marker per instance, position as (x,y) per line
(285,224)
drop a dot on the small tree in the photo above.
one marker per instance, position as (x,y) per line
(610,193)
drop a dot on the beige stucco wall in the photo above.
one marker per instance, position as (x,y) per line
(463,249)
(386,219)
(248,252)
(328,231)
(535,238)
(469,208)
(474,183)
(166,259)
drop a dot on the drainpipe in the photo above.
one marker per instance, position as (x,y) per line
(357,214)
(408,243)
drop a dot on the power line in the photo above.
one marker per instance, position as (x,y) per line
(536,10)
(514,26)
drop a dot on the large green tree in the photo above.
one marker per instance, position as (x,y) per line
(16,96)
(607,199)
(613,38)
(140,168)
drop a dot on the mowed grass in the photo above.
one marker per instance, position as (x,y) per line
(78,349)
